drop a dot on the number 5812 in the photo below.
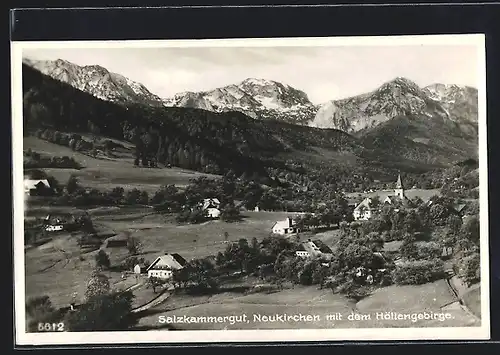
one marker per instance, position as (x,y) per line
(51,327)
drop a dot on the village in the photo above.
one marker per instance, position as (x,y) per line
(316,240)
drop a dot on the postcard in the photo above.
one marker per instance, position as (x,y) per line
(250,190)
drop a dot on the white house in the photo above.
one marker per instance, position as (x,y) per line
(54,228)
(164,266)
(286,226)
(314,249)
(302,253)
(363,211)
(213,212)
(212,207)
(32,185)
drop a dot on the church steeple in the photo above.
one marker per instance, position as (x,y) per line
(399,184)
(399,190)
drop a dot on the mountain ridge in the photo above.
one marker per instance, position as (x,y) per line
(269,99)
(96,80)
(395,98)
(257,98)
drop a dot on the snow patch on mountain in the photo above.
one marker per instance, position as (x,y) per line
(257,98)
(97,81)
(398,97)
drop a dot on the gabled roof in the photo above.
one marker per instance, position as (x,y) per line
(179,259)
(210,202)
(391,198)
(459,207)
(32,184)
(301,247)
(168,261)
(365,203)
(322,246)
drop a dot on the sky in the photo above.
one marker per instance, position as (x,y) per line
(323,73)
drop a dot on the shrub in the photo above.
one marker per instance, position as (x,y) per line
(428,250)
(40,310)
(102,259)
(386,280)
(353,290)
(418,272)
(468,268)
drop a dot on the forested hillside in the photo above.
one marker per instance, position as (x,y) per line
(217,142)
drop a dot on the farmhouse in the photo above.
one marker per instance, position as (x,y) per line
(286,226)
(37,187)
(212,207)
(164,265)
(314,249)
(364,210)
(54,228)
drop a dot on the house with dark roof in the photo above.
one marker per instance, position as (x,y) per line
(164,266)
(37,187)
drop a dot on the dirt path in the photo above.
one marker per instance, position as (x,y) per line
(155,301)
(66,260)
(457,290)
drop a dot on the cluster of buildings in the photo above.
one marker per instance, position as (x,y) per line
(366,208)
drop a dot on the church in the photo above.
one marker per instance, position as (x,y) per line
(364,210)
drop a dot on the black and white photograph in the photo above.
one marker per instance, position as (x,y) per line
(214,190)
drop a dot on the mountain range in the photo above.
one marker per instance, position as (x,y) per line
(434,125)
(268,99)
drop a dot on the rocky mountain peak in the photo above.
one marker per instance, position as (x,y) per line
(259,98)
(96,80)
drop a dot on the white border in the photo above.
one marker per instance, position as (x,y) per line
(135,337)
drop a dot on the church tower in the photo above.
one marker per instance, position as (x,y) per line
(399,191)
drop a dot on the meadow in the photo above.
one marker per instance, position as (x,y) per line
(107,173)
(309,300)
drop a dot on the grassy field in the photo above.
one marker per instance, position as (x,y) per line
(160,234)
(59,269)
(315,302)
(109,173)
(472,299)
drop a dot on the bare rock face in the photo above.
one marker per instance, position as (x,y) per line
(257,98)
(399,97)
(97,81)
(461,102)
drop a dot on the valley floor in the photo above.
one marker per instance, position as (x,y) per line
(60,270)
